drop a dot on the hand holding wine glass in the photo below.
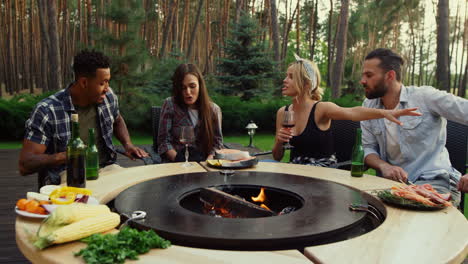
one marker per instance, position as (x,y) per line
(187,137)
(288,123)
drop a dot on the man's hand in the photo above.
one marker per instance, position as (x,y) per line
(133,152)
(394,173)
(463,183)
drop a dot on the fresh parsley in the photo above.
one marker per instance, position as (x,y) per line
(115,248)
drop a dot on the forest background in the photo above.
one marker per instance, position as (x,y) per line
(242,46)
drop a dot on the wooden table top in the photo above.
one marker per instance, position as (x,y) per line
(405,236)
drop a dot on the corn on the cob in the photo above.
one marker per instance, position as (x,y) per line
(80,229)
(67,214)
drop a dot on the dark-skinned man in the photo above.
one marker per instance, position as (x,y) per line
(48,129)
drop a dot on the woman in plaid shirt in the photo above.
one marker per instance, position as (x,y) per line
(190,105)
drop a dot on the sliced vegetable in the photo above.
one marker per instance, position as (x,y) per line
(69,193)
(21,204)
(48,189)
(78,230)
(37,196)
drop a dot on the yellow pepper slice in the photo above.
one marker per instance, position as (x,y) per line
(69,193)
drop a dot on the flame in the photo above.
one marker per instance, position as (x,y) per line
(261,196)
(265,207)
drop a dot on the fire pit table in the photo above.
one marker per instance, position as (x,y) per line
(404,237)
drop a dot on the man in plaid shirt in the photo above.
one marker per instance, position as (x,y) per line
(48,130)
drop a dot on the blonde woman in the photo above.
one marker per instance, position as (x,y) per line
(311,136)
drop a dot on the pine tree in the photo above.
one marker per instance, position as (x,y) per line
(247,66)
(124,45)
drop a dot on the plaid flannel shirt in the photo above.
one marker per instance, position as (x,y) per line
(50,125)
(173,118)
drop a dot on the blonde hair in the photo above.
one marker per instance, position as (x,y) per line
(303,82)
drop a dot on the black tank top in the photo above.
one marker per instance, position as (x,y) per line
(313,142)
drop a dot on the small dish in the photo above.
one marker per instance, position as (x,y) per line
(50,208)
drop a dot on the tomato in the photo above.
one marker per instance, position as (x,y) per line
(41,210)
(21,204)
(32,206)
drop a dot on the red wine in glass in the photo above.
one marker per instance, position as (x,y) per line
(288,122)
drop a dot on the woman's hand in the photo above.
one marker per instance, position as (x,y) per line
(284,135)
(393,115)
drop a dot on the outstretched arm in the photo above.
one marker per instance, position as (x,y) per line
(359,113)
(32,158)
(121,133)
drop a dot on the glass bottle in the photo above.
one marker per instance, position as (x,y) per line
(92,157)
(76,156)
(357,158)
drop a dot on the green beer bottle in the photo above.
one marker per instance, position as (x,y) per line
(76,156)
(357,159)
(92,157)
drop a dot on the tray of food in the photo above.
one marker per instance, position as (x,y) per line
(40,205)
(232,159)
(417,197)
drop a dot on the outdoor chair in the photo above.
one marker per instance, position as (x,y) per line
(344,135)
(152,150)
(457,146)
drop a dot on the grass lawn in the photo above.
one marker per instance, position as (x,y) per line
(264,142)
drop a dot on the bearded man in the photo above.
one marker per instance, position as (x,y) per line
(414,151)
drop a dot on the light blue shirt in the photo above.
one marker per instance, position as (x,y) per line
(421,138)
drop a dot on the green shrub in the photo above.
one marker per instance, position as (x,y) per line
(237,113)
(14,113)
(135,107)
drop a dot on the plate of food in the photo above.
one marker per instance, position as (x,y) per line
(416,197)
(40,205)
(232,159)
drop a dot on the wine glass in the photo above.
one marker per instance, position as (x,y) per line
(289,123)
(186,137)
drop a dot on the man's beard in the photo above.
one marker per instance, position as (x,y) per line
(379,91)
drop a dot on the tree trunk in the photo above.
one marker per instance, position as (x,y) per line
(167,25)
(464,82)
(286,35)
(17,61)
(239,4)
(184,33)
(175,27)
(55,71)
(194,30)
(32,55)
(275,32)
(208,37)
(341,49)
(298,28)
(442,71)
(330,47)
(314,28)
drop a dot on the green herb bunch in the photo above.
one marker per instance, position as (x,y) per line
(115,248)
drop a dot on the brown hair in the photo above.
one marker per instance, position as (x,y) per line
(203,104)
(301,79)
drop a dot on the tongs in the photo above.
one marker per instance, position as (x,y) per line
(368,209)
(136,215)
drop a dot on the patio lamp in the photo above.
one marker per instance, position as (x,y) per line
(251,131)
